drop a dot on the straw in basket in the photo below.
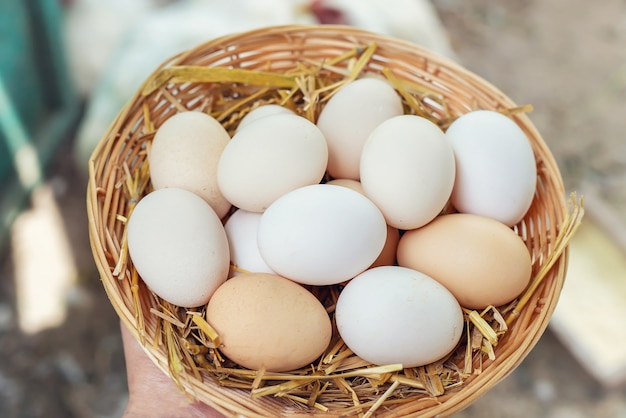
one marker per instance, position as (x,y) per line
(300,67)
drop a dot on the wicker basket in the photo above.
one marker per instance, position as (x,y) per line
(439,89)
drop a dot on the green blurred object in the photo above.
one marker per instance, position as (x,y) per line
(38,103)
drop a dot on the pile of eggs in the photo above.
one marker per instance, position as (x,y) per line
(360,199)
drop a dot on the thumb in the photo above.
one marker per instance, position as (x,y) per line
(151,393)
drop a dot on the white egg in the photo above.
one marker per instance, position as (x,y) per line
(178,245)
(407,170)
(496,169)
(270,157)
(321,234)
(387,256)
(391,315)
(184,154)
(349,117)
(241,231)
(260,112)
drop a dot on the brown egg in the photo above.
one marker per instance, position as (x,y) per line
(480,260)
(264,320)
(387,256)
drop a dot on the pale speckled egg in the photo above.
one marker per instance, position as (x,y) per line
(178,245)
(241,230)
(349,117)
(391,315)
(480,260)
(184,154)
(260,112)
(408,170)
(387,256)
(267,321)
(270,157)
(496,169)
(321,234)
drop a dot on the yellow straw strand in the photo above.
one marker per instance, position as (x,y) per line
(198,74)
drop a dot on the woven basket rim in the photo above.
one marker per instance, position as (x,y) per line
(105,230)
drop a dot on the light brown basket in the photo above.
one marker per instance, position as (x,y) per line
(179,342)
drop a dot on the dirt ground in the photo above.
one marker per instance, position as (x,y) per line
(567,59)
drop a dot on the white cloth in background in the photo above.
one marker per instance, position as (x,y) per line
(113,46)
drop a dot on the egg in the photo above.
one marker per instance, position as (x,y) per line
(348,118)
(260,112)
(270,157)
(392,314)
(178,245)
(184,154)
(266,321)
(349,183)
(321,234)
(496,168)
(387,256)
(480,260)
(241,231)
(408,170)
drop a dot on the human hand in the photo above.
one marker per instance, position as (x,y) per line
(151,393)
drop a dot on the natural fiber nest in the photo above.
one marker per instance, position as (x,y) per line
(300,67)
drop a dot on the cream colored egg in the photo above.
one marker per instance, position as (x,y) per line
(480,260)
(349,117)
(184,154)
(349,183)
(178,246)
(270,157)
(266,321)
(407,170)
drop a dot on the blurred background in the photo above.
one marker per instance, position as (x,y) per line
(67,67)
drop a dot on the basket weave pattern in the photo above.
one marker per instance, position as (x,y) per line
(118,179)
